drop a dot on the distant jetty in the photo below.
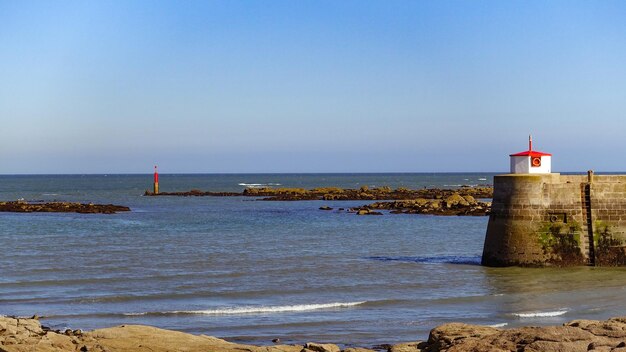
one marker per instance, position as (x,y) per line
(21,206)
(336,193)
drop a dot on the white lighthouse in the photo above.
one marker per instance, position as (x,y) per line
(531,161)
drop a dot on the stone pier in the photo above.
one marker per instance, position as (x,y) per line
(554,219)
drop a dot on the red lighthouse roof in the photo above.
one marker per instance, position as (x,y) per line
(530,152)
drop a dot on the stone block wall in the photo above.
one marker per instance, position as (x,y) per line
(543,219)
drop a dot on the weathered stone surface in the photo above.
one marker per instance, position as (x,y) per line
(408,347)
(319,347)
(27,335)
(578,335)
(21,206)
(559,220)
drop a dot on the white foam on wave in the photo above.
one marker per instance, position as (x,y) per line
(555,313)
(501,325)
(482,179)
(259,309)
(252,185)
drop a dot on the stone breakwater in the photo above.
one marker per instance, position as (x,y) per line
(20,335)
(336,193)
(60,207)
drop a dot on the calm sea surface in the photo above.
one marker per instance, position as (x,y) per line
(250,271)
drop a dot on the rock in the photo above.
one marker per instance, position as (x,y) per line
(61,207)
(276,340)
(319,347)
(433,206)
(22,335)
(335,193)
(446,335)
(408,347)
(455,200)
(365,211)
(579,335)
(325,207)
(469,199)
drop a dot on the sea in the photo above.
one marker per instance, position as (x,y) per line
(250,271)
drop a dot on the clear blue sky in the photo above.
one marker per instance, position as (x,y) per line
(310,86)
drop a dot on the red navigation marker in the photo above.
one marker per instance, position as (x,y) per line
(156,180)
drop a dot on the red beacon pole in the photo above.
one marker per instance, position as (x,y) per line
(156,180)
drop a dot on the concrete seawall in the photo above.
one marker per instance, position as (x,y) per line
(553,219)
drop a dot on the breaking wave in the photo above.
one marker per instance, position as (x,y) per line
(256,309)
(555,313)
(258,185)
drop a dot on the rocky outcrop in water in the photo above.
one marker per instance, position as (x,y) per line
(454,204)
(193,193)
(364,193)
(21,206)
(336,193)
(21,335)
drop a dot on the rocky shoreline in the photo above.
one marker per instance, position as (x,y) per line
(21,206)
(27,334)
(336,193)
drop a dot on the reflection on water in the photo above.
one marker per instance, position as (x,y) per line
(280,269)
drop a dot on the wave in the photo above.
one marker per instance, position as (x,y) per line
(258,185)
(482,179)
(501,325)
(555,313)
(447,259)
(255,309)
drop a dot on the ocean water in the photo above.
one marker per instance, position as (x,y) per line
(250,271)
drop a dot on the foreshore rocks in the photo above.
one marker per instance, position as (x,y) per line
(21,206)
(454,204)
(21,335)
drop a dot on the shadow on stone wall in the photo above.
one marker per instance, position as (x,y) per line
(561,244)
(610,251)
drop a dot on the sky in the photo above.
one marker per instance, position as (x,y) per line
(310,86)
